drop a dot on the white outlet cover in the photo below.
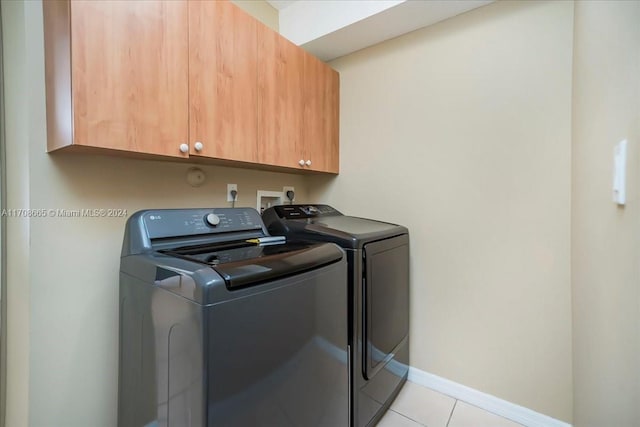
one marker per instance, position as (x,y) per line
(229,188)
(284,194)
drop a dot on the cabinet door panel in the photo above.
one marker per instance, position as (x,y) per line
(129,75)
(321,115)
(280,100)
(222,80)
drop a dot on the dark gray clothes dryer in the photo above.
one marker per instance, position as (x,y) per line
(378,277)
(221,327)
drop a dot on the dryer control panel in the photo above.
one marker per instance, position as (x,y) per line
(304,211)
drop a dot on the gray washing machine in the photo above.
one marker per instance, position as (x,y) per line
(378,258)
(219,326)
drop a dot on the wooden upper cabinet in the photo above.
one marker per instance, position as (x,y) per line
(222,81)
(280,100)
(298,106)
(117,75)
(321,115)
(197,78)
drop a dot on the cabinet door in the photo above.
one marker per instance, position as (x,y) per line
(222,81)
(321,115)
(280,100)
(129,75)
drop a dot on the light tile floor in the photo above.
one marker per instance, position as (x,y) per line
(418,406)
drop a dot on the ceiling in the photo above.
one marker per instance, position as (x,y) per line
(330,29)
(280,4)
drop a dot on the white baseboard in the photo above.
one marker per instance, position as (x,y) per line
(485,401)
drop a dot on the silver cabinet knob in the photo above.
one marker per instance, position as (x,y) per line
(308,163)
(184,148)
(301,162)
(198,146)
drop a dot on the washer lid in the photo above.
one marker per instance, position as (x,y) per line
(242,265)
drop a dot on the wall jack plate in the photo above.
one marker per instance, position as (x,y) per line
(266,199)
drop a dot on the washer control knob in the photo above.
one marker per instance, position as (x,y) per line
(212,219)
(198,146)
(184,148)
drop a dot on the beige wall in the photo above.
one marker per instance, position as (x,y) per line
(17,134)
(462,132)
(63,272)
(605,238)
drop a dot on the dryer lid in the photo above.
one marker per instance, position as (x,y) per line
(347,231)
(325,223)
(357,227)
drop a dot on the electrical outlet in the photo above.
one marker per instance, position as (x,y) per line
(285,199)
(229,188)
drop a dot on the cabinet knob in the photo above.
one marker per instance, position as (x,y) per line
(301,162)
(198,146)
(184,148)
(308,163)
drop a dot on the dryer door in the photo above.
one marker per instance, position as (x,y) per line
(385,301)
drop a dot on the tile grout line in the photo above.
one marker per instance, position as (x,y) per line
(451,414)
(409,418)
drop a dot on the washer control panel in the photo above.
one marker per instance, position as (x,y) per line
(188,222)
